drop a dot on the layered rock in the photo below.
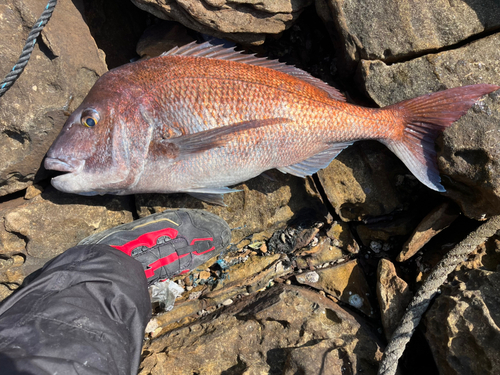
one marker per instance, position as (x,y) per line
(243,21)
(285,330)
(33,231)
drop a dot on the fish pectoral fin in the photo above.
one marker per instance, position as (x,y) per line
(212,195)
(315,163)
(213,138)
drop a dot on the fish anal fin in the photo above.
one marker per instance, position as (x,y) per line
(424,118)
(210,51)
(315,163)
(212,138)
(211,195)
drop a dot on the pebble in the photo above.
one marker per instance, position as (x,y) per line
(356,301)
(227,302)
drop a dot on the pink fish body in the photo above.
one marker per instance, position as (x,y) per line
(201,118)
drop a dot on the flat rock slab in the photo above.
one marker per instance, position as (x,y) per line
(284,330)
(469,152)
(433,223)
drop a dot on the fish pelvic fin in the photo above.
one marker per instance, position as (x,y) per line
(424,118)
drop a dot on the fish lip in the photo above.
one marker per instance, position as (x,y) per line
(70,166)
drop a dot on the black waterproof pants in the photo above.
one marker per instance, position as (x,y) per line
(84,312)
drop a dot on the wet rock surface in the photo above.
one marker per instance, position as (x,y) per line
(308,284)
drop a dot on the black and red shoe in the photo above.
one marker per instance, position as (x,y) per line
(169,243)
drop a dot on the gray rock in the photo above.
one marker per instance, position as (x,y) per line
(244,21)
(393,30)
(469,156)
(64,62)
(284,330)
(462,326)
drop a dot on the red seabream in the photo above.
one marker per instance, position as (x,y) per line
(200,118)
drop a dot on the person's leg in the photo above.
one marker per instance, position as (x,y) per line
(85,312)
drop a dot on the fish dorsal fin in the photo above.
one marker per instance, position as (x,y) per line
(315,163)
(210,51)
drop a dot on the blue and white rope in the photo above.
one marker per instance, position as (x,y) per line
(28,48)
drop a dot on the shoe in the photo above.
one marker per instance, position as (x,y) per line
(169,243)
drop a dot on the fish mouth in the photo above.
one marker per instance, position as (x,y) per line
(69,166)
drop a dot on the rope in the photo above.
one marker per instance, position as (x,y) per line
(28,48)
(422,299)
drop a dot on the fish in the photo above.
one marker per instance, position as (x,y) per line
(201,118)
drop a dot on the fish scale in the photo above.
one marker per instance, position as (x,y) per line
(185,122)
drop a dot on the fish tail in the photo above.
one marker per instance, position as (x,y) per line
(424,118)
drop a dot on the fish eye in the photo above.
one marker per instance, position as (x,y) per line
(89,118)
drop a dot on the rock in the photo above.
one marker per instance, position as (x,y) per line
(35,231)
(469,154)
(393,295)
(390,31)
(243,21)
(324,252)
(284,329)
(341,236)
(345,281)
(367,180)
(31,113)
(162,37)
(384,231)
(462,325)
(262,206)
(438,219)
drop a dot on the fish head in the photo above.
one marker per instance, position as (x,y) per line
(96,145)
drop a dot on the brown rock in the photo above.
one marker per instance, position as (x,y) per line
(469,154)
(34,231)
(393,295)
(244,21)
(341,236)
(268,332)
(438,219)
(346,282)
(65,62)
(362,182)
(262,206)
(393,30)
(462,325)
(322,253)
